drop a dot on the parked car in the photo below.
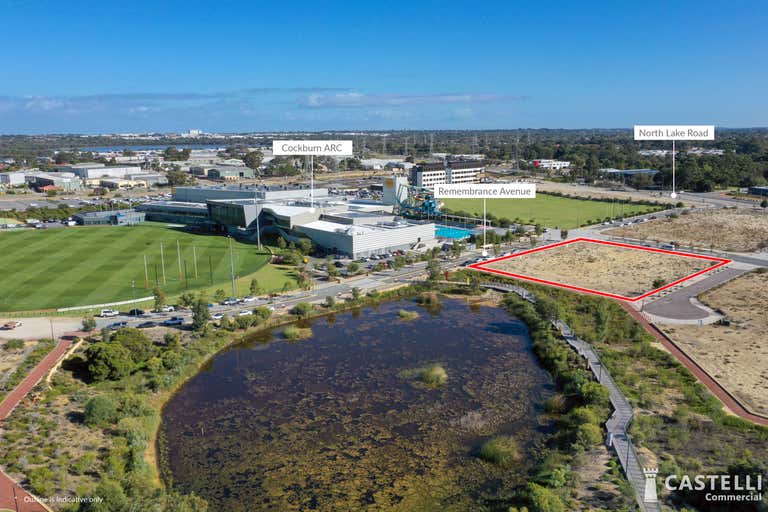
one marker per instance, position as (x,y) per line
(11,325)
(338,264)
(109,312)
(229,302)
(167,309)
(117,325)
(248,299)
(136,312)
(174,320)
(147,325)
(245,312)
(217,316)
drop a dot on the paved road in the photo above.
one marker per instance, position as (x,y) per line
(12,496)
(677,304)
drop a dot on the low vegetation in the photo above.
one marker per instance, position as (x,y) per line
(404,314)
(433,376)
(295,333)
(503,451)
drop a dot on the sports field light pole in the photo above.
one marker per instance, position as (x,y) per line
(194,258)
(232,267)
(311,183)
(146,273)
(162,262)
(178,256)
(485,251)
(133,296)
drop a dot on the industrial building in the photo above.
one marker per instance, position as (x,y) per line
(349,227)
(553,165)
(66,182)
(110,217)
(759,191)
(446,173)
(90,171)
(230,173)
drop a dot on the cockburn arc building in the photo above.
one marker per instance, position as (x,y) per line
(353,228)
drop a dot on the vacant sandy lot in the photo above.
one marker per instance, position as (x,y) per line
(617,270)
(726,230)
(736,355)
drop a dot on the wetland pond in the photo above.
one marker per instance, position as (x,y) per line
(339,421)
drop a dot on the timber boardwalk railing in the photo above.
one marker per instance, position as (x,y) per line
(617,425)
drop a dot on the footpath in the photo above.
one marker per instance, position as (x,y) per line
(617,425)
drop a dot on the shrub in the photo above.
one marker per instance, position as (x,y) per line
(433,376)
(408,315)
(294,333)
(503,451)
(14,344)
(588,435)
(100,411)
(302,309)
(108,360)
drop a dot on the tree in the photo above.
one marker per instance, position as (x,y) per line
(113,498)
(353,267)
(178,178)
(226,323)
(254,287)
(108,360)
(253,159)
(159,298)
(356,293)
(219,295)
(89,323)
(563,234)
(200,314)
(545,500)
(764,203)
(281,243)
(138,345)
(302,309)
(100,411)
(433,270)
(262,313)
(186,299)
(330,301)
(305,246)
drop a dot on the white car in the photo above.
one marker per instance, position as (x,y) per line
(167,309)
(229,302)
(248,299)
(217,316)
(105,313)
(245,312)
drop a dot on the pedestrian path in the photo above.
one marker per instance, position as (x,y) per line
(617,425)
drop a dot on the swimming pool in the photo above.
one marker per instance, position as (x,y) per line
(451,232)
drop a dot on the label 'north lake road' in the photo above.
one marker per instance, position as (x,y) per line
(674,132)
(312,147)
(486,191)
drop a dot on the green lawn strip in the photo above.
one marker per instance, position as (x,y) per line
(549,210)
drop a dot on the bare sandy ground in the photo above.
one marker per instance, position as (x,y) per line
(727,230)
(585,190)
(617,270)
(736,355)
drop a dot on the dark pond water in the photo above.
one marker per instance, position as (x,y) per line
(338,421)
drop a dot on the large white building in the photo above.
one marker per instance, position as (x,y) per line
(553,165)
(447,173)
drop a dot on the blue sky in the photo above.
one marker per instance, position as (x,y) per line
(229,66)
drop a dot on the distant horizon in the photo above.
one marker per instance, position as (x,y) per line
(82,68)
(343,130)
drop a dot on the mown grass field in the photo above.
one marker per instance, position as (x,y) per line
(548,210)
(93,265)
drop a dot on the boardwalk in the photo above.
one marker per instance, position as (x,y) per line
(617,425)
(13,496)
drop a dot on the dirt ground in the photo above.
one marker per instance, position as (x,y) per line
(11,359)
(585,190)
(618,270)
(726,229)
(736,354)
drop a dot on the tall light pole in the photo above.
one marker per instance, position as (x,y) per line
(232,267)
(162,262)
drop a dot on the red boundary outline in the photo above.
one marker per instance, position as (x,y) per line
(481,267)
